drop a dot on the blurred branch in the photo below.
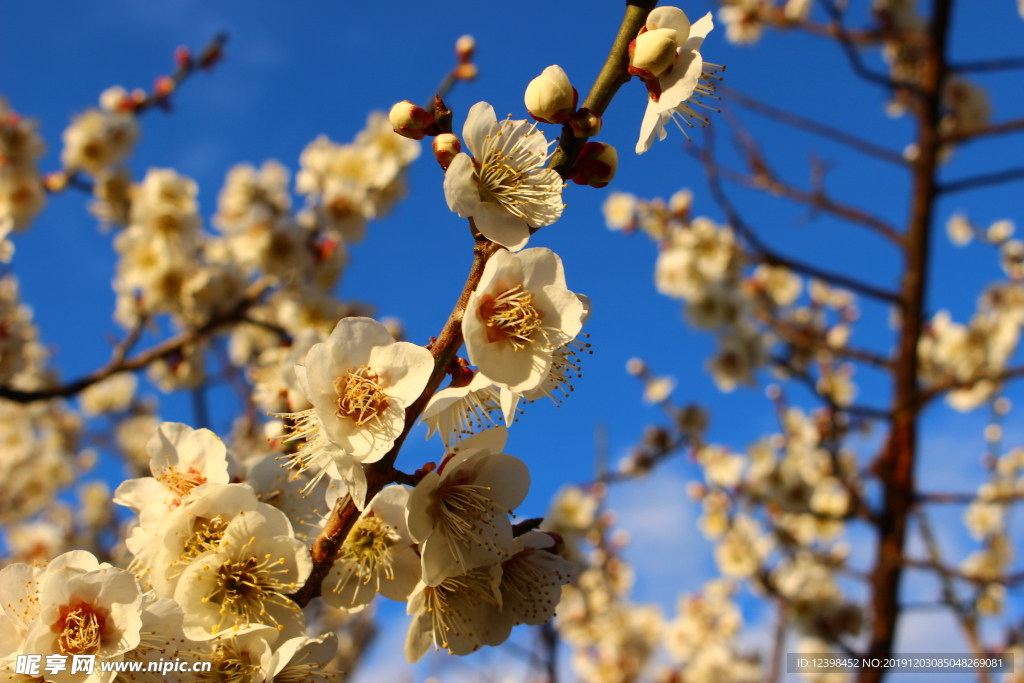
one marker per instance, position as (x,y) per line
(990,130)
(810,126)
(989,65)
(983,180)
(762,251)
(120,363)
(853,56)
(953,385)
(968,620)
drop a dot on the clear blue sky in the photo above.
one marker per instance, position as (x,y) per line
(296,70)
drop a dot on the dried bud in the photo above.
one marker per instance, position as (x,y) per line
(464,48)
(550,97)
(446,146)
(411,121)
(652,53)
(585,123)
(596,165)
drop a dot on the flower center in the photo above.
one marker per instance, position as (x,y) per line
(245,586)
(181,483)
(366,553)
(360,396)
(511,316)
(81,629)
(229,665)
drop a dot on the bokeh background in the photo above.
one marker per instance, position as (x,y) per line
(300,69)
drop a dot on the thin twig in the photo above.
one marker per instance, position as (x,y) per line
(814,127)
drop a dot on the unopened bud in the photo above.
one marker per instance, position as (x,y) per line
(411,121)
(56,181)
(596,165)
(465,72)
(550,97)
(446,146)
(585,123)
(183,57)
(464,48)
(652,53)
(163,87)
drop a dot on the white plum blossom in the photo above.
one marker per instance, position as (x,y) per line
(182,460)
(504,187)
(377,555)
(86,608)
(359,383)
(459,614)
(244,580)
(669,91)
(520,314)
(459,514)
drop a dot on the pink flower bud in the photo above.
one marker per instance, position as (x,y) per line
(596,165)
(550,97)
(411,121)
(446,146)
(585,123)
(652,53)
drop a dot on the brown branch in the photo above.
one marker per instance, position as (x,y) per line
(119,363)
(613,76)
(953,385)
(816,199)
(968,620)
(895,466)
(956,498)
(927,565)
(378,475)
(762,252)
(989,65)
(799,337)
(990,130)
(210,55)
(1008,175)
(810,126)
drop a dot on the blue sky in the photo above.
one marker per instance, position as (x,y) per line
(296,70)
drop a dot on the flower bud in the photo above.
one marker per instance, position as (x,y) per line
(585,123)
(466,71)
(652,53)
(446,146)
(464,48)
(550,97)
(410,121)
(596,165)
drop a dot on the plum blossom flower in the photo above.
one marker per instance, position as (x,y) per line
(520,314)
(359,382)
(685,78)
(182,459)
(86,608)
(458,614)
(459,515)
(504,187)
(243,581)
(377,555)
